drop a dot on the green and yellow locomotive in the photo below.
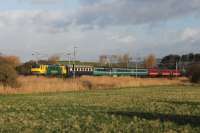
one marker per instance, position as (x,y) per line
(39,69)
(62,70)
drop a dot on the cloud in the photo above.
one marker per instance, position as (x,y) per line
(106,13)
(41,21)
(122,38)
(93,2)
(190,34)
(43,2)
(133,12)
(186,40)
(100,27)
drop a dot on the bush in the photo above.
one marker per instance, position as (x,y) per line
(25,69)
(194,73)
(11,60)
(87,84)
(8,75)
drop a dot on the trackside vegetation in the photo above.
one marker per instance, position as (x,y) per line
(194,73)
(140,109)
(8,75)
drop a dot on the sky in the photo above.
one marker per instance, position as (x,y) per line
(99,27)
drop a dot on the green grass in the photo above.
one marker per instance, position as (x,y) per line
(147,109)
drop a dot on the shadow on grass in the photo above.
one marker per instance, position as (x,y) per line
(181,102)
(194,121)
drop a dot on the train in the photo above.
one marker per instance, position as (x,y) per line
(82,70)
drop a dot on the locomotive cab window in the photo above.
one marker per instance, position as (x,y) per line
(36,66)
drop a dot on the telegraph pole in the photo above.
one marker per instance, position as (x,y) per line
(69,58)
(74,62)
(137,59)
(136,69)
(176,69)
(36,54)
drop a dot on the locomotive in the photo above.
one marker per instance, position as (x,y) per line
(81,70)
(39,69)
(62,70)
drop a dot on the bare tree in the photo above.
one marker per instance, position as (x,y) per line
(150,61)
(103,59)
(54,59)
(113,59)
(124,59)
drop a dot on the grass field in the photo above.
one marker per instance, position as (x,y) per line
(142,109)
(32,84)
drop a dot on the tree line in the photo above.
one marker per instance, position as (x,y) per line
(182,61)
(168,62)
(11,66)
(126,61)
